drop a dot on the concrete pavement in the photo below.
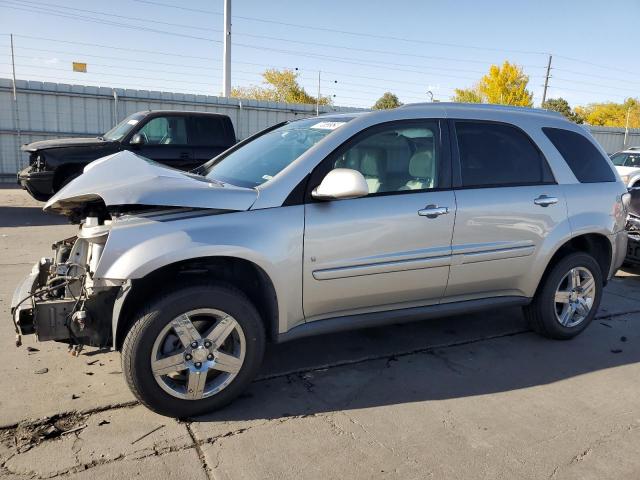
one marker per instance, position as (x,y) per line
(476,396)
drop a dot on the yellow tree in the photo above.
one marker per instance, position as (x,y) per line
(279,86)
(504,85)
(611,114)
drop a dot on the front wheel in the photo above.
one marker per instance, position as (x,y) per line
(194,350)
(568,298)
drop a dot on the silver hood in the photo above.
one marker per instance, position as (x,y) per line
(125,178)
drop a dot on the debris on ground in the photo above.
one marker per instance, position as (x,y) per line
(41,371)
(147,434)
(92,362)
(103,422)
(32,350)
(74,396)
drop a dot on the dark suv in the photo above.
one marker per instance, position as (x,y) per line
(182,140)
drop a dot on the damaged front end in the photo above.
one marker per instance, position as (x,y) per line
(60,301)
(68,298)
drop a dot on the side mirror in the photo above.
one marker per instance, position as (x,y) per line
(137,139)
(341,183)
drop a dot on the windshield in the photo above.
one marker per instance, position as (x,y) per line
(263,158)
(124,127)
(618,159)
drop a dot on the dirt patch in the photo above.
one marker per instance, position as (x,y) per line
(29,434)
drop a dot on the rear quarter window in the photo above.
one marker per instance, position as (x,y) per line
(210,131)
(584,159)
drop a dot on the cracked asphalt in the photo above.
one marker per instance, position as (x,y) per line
(474,396)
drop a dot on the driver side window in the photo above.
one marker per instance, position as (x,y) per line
(397,158)
(165,131)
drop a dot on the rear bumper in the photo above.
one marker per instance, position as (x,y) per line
(619,251)
(38,184)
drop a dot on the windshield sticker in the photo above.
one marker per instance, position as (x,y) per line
(327,125)
(132,122)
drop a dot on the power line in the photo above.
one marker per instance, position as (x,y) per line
(347,32)
(288,40)
(126,17)
(108,22)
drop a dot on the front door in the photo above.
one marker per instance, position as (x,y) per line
(165,141)
(392,248)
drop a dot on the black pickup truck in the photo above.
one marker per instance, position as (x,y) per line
(182,140)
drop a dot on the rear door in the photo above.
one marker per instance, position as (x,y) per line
(508,202)
(166,141)
(209,136)
(392,248)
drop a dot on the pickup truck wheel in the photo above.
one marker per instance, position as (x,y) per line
(194,350)
(568,299)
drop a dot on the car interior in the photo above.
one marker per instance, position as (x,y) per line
(400,160)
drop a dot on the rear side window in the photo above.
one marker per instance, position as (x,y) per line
(209,131)
(584,159)
(497,155)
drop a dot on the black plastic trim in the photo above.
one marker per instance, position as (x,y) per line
(376,319)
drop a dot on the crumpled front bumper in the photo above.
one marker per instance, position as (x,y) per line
(22,306)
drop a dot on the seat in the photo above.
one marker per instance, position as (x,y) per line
(371,167)
(421,169)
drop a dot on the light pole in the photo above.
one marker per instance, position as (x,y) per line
(226,67)
(430,93)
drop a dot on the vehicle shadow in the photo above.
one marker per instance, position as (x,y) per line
(20,216)
(493,360)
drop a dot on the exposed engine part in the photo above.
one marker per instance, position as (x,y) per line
(80,318)
(59,300)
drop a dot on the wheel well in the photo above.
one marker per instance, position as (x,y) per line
(242,274)
(595,244)
(63,172)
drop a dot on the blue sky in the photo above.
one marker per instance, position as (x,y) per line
(429,45)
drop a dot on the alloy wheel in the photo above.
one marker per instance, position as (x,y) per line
(198,354)
(574,297)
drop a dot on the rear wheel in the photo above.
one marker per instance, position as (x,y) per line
(568,299)
(194,350)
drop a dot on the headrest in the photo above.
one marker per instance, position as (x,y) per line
(370,165)
(421,164)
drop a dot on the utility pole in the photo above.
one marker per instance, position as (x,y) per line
(226,68)
(626,128)
(318,98)
(15,101)
(546,80)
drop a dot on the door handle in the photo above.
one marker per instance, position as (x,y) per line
(185,155)
(545,201)
(433,211)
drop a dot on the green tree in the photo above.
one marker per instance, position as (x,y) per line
(386,101)
(611,114)
(279,86)
(560,105)
(503,85)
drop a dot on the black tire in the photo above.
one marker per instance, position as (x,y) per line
(138,345)
(541,313)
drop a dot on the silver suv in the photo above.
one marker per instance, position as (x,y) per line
(322,225)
